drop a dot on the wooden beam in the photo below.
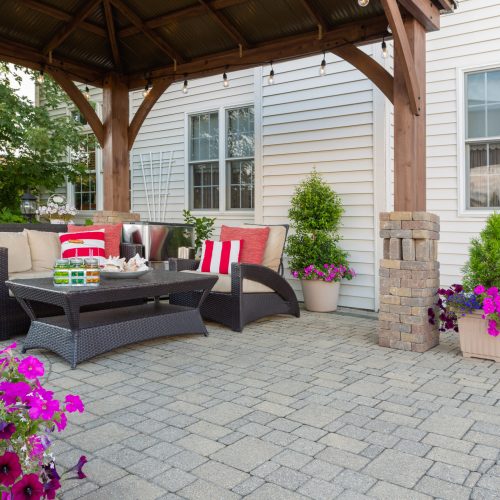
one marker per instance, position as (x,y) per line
(62,16)
(408,64)
(75,94)
(315,14)
(369,67)
(17,53)
(113,42)
(148,32)
(116,171)
(176,15)
(159,87)
(409,129)
(447,5)
(67,29)
(224,23)
(426,13)
(285,48)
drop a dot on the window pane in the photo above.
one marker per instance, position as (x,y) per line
(476,105)
(85,186)
(493,94)
(205,190)
(240,133)
(494,158)
(494,191)
(241,188)
(204,140)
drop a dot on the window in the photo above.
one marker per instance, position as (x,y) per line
(228,169)
(483,139)
(85,188)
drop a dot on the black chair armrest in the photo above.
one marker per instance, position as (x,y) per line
(129,250)
(262,275)
(4,272)
(182,264)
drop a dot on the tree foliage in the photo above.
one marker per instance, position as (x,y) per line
(34,146)
(483,266)
(315,214)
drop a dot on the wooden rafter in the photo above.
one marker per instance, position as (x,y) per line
(369,67)
(426,13)
(290,47)
(315,14)
(152,35)
(62,16)
(447,5)
(398,30)
(225,24)
(67,29)
(142,112)
(17,53)
(176,15)
(81,103)
(113,42)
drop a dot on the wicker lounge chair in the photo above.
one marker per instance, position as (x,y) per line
(250,292)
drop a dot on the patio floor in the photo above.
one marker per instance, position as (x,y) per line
(291,408)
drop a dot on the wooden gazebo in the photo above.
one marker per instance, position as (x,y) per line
(122,45)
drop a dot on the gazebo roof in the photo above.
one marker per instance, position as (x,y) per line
(151,39)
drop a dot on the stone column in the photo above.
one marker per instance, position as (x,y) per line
(114,217)
(409,279)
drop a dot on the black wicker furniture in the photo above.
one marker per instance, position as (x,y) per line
(255,291)
(77,336)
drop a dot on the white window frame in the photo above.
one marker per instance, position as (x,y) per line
(462,160)
(222,111)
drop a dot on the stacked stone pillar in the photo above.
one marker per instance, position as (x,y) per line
(114,217)
(409,279)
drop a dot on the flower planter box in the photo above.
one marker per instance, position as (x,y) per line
(475,342)
(320,296)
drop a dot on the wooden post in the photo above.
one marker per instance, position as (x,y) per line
(409,128)
(115,148)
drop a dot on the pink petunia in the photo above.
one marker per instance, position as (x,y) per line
(8,348)
(11,392)
(488,305)
(43,409)
(479,289)
(61,423)
(492,291)
(73,403)
(31,368)
(492,328)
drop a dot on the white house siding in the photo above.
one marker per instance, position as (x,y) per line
(325,123)
(469,39)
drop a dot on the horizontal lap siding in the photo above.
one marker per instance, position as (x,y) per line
(324,122)
(469,38)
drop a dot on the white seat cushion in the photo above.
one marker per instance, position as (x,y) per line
(27,275)
(45,248)
(223,285)
(18,251)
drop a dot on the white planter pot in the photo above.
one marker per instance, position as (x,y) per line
(60,221)
(475,342)
(320,296)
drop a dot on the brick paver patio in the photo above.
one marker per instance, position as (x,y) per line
(288,409)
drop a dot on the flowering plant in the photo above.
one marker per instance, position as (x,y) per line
(54,211)
(454,302)
(28,415)
(329,273)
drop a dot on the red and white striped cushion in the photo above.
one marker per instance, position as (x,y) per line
(217,256)
(83,244)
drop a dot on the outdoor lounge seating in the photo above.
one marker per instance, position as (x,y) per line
(250,292)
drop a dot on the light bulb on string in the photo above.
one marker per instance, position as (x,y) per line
(185,87)
(86,93)
(270,78)
(41,77)
(147,88)
(225,81)
(385,52)
(363,3)
(322,66)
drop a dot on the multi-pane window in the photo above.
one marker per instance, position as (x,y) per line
(85,187)
(483,139)
(221,159)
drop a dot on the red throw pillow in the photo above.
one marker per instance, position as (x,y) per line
(112,236)
(217,256)
(254,241)
(83,244)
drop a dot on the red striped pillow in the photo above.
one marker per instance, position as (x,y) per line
(217,256)
(83,244)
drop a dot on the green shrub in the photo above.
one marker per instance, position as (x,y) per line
(203,227)
(483,266)
(315,215)
(8,216)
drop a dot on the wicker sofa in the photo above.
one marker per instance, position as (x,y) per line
(251,291)
(13,320)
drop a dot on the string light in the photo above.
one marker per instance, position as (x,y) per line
(322,66)
(385,52)
(270,78)
(225,81)
(185,87)
(41,77)
(363,3)
(147,88)
(86,93)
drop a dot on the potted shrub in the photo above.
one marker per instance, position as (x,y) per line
(313,251)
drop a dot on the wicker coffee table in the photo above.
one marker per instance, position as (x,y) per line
(77,336)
